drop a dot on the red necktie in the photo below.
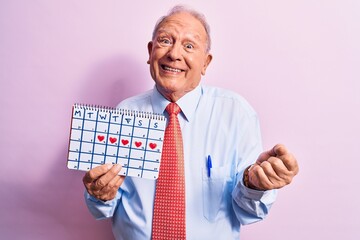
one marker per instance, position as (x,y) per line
(169,205)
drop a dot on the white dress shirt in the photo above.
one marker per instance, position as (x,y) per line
(214,122)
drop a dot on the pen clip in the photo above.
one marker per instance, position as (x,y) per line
(209,166)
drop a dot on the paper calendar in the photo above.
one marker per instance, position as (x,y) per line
(102,135)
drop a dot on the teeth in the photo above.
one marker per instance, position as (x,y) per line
(172,69)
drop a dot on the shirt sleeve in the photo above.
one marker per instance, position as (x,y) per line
(250,205)
(101,209)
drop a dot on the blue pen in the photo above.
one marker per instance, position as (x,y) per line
(209,165)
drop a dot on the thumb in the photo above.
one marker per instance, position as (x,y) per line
(276,151)
(279,150)
(96,172)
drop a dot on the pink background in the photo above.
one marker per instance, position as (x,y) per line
(297,62)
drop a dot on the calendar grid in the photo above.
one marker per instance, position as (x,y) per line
(101,135)
(82,129)
(118,148)
(131,141)
(92,157)
(107,138)
(146,143)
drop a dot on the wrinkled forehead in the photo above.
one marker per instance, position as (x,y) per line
(183,23)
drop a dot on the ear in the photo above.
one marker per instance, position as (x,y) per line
(149,46)
(206,63)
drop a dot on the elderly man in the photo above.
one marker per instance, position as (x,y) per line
(215,176)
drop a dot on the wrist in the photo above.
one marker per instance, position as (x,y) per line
(246,177)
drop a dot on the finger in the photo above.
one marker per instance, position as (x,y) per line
(96,172)
(284,175)
(271,174)
(115,182)
(110,190)
(279,150)
(279,167)
(112,187)
(282,170)
(273,152)
(107,177)
(290,162)
(263,157)
(258,178)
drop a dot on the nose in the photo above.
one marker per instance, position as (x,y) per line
(174,53)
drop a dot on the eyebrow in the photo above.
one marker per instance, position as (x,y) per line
(187,35)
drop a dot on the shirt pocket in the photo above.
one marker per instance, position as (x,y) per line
(213,191)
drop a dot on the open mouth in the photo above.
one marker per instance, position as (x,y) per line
(170,69)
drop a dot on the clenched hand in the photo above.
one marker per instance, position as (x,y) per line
(103,181)
(273,169)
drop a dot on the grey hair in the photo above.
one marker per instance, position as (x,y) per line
(179,9)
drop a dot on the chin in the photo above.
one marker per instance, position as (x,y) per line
(169,92)
(169,84)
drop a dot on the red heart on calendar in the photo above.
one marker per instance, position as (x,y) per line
(152,145)
(100,138)
(113,139)
(138,144)
(124,141)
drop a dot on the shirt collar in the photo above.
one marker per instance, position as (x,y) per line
(188,103)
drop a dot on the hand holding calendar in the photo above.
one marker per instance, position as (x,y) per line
(103,181)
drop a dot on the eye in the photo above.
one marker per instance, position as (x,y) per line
(189,46)
(164,41)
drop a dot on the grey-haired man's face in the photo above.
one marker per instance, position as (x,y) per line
(178,56)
